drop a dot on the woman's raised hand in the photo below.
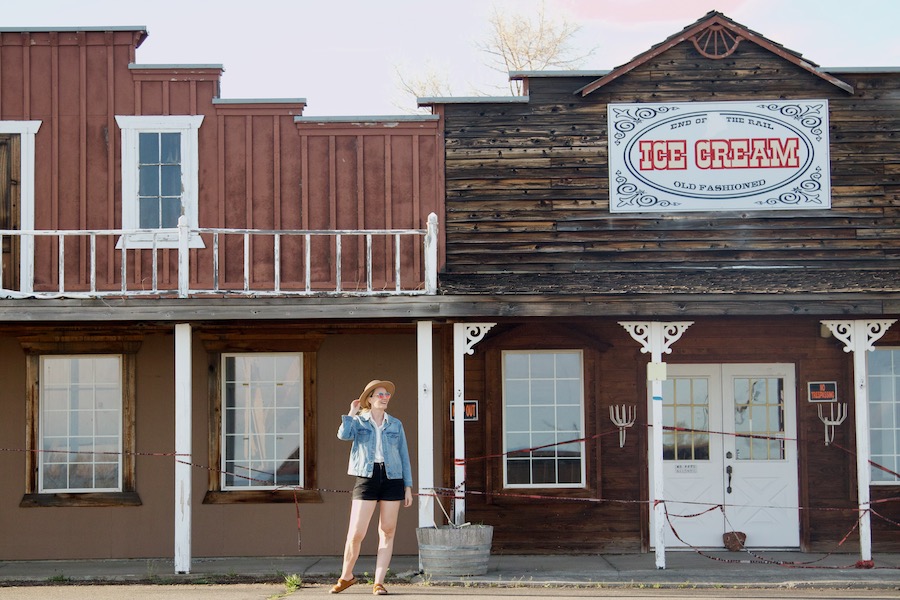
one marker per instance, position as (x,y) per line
(354,408)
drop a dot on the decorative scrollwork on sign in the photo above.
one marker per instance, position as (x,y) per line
(626,119)
(716,42)
(806,192)
(630,195)
(809,115)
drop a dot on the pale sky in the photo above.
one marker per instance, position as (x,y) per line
(341,55)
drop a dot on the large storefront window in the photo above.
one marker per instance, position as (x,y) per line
(543,419)
(263,420)
(884,414)
(80,424)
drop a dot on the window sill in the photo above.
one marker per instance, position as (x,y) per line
(262,497)
(87,499)
(144,241)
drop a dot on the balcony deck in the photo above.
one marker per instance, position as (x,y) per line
(216,262)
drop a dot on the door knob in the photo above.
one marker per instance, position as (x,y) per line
(729,470)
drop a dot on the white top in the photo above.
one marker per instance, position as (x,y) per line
(379,429)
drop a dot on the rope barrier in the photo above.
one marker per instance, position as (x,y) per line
(439,493)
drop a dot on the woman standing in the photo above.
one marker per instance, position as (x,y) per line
(379,458)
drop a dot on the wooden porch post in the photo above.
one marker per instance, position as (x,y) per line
(425,357)
(656,338)
(858,336)
(465,336)
(183,404)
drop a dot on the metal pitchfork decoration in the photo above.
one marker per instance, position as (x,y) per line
(832,419)
(623,417)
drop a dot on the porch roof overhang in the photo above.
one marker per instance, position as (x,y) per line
(448,307)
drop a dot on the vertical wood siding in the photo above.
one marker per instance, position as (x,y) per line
(257,168)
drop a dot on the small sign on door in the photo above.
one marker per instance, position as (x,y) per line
(823,391)
(470,410)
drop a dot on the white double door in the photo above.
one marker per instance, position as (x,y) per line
(729,455)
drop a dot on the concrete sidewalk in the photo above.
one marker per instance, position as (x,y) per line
(713,569)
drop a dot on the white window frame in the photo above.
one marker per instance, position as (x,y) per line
(877,474)
(45,455)
(579,435)
(300,419)
(132,126)
(26,130)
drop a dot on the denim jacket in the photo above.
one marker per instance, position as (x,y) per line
(361,430)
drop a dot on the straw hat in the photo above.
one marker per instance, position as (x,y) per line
(370,387)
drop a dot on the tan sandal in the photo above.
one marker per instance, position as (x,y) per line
(379,590)
(342,585)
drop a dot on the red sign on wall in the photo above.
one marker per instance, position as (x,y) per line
(823,391)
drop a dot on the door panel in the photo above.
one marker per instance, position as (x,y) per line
(737,416)
(761,440)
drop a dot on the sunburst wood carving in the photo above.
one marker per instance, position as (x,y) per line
(716,42)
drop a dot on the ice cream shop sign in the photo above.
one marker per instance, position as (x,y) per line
(704,156)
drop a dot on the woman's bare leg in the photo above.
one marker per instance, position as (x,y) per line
(387,527)
(361,512)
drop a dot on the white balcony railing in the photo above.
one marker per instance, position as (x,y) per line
(243,262)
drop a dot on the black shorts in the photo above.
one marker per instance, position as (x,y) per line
(378,486)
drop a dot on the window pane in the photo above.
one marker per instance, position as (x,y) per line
(686,407)
(170,148)
(262,420)
(80,423)
(148,152)
(149,208)
(149,180)
(543,411)
(883,367)
(170,180)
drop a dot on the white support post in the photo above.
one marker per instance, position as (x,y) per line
(656,338)
(183,456)
(858,336)
(184,257)
(431,255)
(465,336)
(425,358)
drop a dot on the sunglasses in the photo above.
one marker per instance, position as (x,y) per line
(382,395)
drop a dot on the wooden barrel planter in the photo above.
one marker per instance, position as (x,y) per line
(455,551)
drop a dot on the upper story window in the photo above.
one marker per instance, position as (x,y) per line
(884,413)
(160,167)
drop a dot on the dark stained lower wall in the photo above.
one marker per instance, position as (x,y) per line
(615,373)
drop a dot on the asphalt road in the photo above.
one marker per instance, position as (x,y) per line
(413,592)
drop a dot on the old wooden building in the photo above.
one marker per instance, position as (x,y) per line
(193,290)
(630,310)
(720,204)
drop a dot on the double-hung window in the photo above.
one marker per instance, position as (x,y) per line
(884,414)
(160,174)
(543,419)
(262,400)
(80,424)
(262,408)
(80,420)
